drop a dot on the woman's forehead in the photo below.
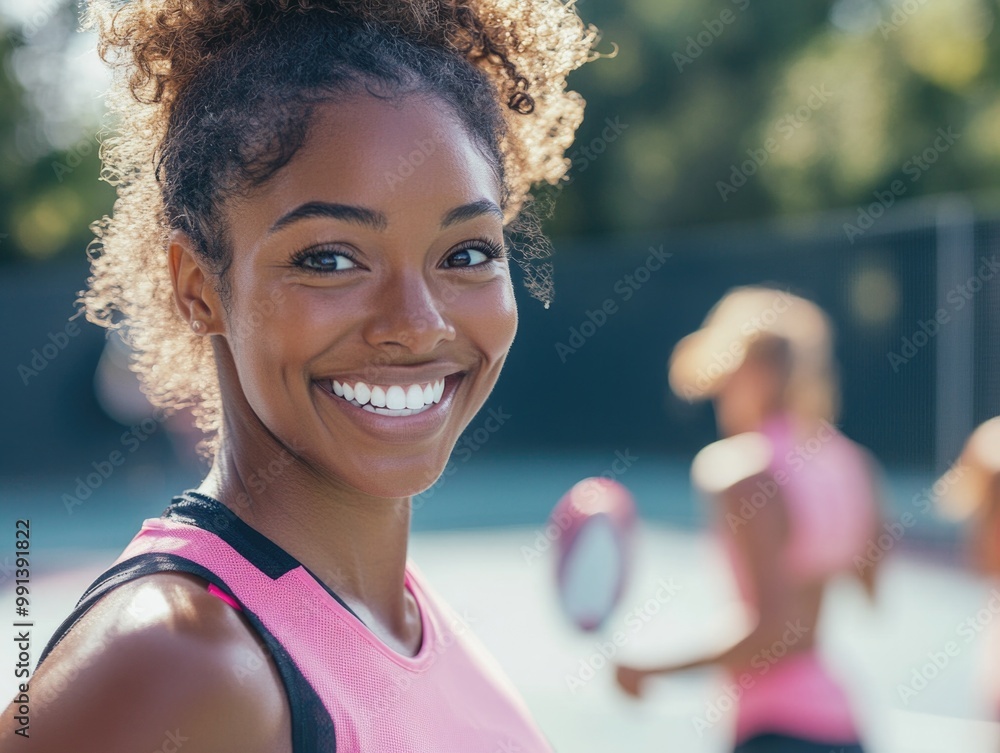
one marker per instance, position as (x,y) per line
(397,157)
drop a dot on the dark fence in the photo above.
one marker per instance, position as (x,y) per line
(914,294)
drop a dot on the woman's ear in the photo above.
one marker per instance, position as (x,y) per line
(195,291)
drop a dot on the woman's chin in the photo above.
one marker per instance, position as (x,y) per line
(398,486)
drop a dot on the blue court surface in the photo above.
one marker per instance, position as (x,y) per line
(480,539)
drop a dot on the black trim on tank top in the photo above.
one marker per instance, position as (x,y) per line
(312,727)
(209,514)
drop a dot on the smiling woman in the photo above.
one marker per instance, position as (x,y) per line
(308,248)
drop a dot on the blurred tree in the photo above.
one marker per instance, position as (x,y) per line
(736,109)
(49,166)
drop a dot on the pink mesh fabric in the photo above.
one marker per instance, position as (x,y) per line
(451,696)
(829,495)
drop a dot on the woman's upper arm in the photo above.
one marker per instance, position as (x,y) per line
(867,571)
(734,474)
(156,664)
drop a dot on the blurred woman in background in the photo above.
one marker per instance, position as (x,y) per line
(795,504)
(970,490)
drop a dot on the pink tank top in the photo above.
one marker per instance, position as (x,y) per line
(451,696)
(826,485)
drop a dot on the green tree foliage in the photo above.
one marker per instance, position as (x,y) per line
(48,195)
(718,93)
(711,110)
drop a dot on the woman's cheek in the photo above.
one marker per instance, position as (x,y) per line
(504,320)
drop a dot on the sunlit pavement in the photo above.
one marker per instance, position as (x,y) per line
(680,602)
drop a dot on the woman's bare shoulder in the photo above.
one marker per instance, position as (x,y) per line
(730,462)
(157,663)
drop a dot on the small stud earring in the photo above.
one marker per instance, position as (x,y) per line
(198,326)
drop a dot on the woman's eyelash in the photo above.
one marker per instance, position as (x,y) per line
(299,258)
(498,250)
(488,246)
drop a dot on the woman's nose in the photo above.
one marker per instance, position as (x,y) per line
(409,314)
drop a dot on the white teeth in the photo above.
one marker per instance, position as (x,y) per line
(414,396)
(395,398)
(362,392)
(387,412)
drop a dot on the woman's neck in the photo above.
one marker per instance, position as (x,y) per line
(356,544)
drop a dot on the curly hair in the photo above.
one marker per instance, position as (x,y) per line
(211,97)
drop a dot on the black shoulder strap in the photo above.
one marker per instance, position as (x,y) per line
(207,513)
(312,727)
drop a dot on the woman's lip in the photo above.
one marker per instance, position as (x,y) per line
(388,378)
(397,428)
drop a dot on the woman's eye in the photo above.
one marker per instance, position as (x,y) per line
(469,256)
(326,261)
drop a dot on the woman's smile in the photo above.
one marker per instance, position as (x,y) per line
(404,411)
(390,400)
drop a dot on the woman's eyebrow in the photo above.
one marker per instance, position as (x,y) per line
(376,220)
(345,212)
(470,211)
